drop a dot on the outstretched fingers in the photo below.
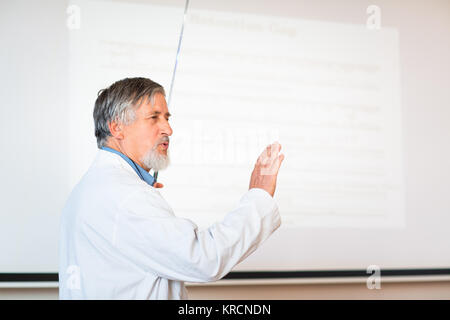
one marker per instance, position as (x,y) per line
(270,160)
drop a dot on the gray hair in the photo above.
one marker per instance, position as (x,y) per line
(119,102)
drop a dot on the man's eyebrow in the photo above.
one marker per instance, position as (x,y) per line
(159,112)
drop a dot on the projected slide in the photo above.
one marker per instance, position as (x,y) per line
(328,92)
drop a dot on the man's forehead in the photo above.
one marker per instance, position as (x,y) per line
(157,104)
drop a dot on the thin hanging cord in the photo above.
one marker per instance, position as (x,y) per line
(178,51)
(155,175)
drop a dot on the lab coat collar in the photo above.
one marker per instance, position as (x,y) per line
(141,172)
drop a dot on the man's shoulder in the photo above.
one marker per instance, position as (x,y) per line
(107,179)
(110,185)
(112,179)
(102,190)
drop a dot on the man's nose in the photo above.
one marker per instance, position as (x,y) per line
(166,129)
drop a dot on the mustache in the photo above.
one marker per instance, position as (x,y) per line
(161,140)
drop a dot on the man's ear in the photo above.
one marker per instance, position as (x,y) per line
(116,129)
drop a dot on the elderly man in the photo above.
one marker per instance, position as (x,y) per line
(120,239)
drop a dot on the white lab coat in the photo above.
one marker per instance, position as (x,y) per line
(121,240)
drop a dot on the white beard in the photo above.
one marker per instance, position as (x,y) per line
(155,160)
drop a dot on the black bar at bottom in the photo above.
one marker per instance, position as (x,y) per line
(254,275)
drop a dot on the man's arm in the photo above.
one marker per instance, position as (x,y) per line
(174,248)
